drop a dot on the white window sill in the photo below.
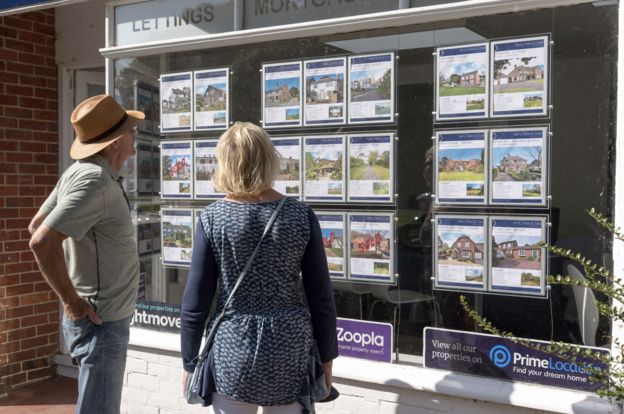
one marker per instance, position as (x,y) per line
(418,378)
(518,394)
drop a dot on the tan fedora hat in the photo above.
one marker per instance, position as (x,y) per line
(99,121)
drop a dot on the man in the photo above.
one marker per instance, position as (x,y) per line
(83,240)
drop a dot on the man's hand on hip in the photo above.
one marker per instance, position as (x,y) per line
(79,310)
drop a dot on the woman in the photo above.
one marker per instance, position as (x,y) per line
(263,346)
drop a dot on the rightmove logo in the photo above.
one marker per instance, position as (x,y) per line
(500,356)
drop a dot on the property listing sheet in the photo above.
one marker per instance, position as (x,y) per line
(462,82)
(129,174)
(518,261)
(519,166)
(460,252)
(177,236)
(176,163)
(211,97)
(324,164)
(461,174)
(281,92)
(288,179)
(144,102)
(371,88)
(371,167)
(176,105)
(333,230)
(144,167)
(325,89)
(205,153)
(520,77)
(371,247)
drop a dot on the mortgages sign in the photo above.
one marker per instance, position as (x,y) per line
(492,356)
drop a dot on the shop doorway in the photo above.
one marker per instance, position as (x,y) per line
(79,84)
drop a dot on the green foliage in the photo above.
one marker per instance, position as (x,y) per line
(599,279)
(385,84)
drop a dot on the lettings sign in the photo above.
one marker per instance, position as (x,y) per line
(157,20)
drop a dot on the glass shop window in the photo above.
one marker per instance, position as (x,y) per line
(374,189)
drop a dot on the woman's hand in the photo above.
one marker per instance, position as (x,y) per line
(327,371)
(185,375)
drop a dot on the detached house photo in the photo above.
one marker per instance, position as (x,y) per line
(466,78)
(325,89)
(473,78)
(211,99)
(281,92)
(205,167)
(466,250)
(288,168)
(466,164)
(460,249)
(518,253)
(520,74)
(178,100)
(517,163)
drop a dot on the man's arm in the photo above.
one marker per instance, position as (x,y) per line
(47,246)
(36,221)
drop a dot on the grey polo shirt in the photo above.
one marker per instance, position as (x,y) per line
(89,206)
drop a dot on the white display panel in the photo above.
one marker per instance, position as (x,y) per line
(176,105)
(462,82)
(289,179)
(520,82)
(325,91)
(281,95)
(518,263)
(371,167)
(371,95)
(519,166)
(460,252)
(144,101)
(176,167)
(460,172)
(177,236)
(211,95)
(371,247)
(145,169)
(333,228)
(324,165)
(205,161)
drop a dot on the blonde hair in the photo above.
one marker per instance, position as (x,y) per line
(246,161)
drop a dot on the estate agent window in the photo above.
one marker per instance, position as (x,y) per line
(375,136)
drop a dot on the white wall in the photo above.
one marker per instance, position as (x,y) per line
(80,32)
(152,385)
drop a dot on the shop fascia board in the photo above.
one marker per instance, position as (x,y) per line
(395,18)
(40,6)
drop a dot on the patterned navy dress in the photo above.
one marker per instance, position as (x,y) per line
(262,347)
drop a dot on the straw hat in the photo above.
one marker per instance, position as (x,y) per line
(99,121)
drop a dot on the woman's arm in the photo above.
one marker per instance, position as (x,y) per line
(319,293)
(198,294)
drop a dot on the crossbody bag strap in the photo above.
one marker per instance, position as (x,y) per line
(213,330)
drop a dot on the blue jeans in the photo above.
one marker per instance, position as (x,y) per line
(100,352)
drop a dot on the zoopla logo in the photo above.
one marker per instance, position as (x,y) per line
(500,356)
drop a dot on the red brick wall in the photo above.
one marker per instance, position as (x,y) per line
(28,171)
